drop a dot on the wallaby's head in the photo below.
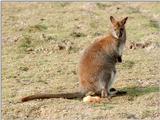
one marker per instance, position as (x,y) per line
(118,27)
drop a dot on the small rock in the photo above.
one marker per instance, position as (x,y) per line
(74,72)
(24,68)
(30,49)
(131,116)
(59,47)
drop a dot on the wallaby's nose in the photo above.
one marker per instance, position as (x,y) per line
(120,33)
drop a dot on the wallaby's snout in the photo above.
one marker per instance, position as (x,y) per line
(118,27)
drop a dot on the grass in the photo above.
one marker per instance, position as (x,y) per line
(137,91)
(38,27)
(64,4)
(133,10)
(128,64)
(23,68)
(77,34)
(49,37)
(29,27)
(155,24)
(146,113)
(102,6)
(25,43)
(103,106)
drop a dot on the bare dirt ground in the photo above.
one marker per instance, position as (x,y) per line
(41,48)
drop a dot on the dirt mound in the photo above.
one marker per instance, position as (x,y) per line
(145,45)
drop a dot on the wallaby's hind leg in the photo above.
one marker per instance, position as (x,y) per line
(112,80)
(104,81)
(104,93)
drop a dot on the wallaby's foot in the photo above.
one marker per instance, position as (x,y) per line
(113,92)
(108,96)
(104,93)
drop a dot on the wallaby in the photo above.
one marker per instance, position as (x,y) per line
(97,65)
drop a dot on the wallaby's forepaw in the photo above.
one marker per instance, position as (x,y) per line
(113,90)
(119,59)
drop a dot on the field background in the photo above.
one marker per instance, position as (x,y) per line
(41,47)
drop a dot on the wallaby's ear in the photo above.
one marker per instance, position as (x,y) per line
(124,20)
(113,21)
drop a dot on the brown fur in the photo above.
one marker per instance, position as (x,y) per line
(45,96)
(97,65)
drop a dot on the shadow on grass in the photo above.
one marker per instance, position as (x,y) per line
(137,91)
(134,91)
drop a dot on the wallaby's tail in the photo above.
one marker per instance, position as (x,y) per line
(47,96)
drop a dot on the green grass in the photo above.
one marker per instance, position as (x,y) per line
(25,43)
(127,64)
(78,34)
(146,113)
(133,10)
(23,68)
(38,27)
(155,24)
(102,6)
(138,91)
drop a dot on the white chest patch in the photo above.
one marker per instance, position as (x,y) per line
(120,49)
(114,34)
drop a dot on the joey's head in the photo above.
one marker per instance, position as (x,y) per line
(118,27)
